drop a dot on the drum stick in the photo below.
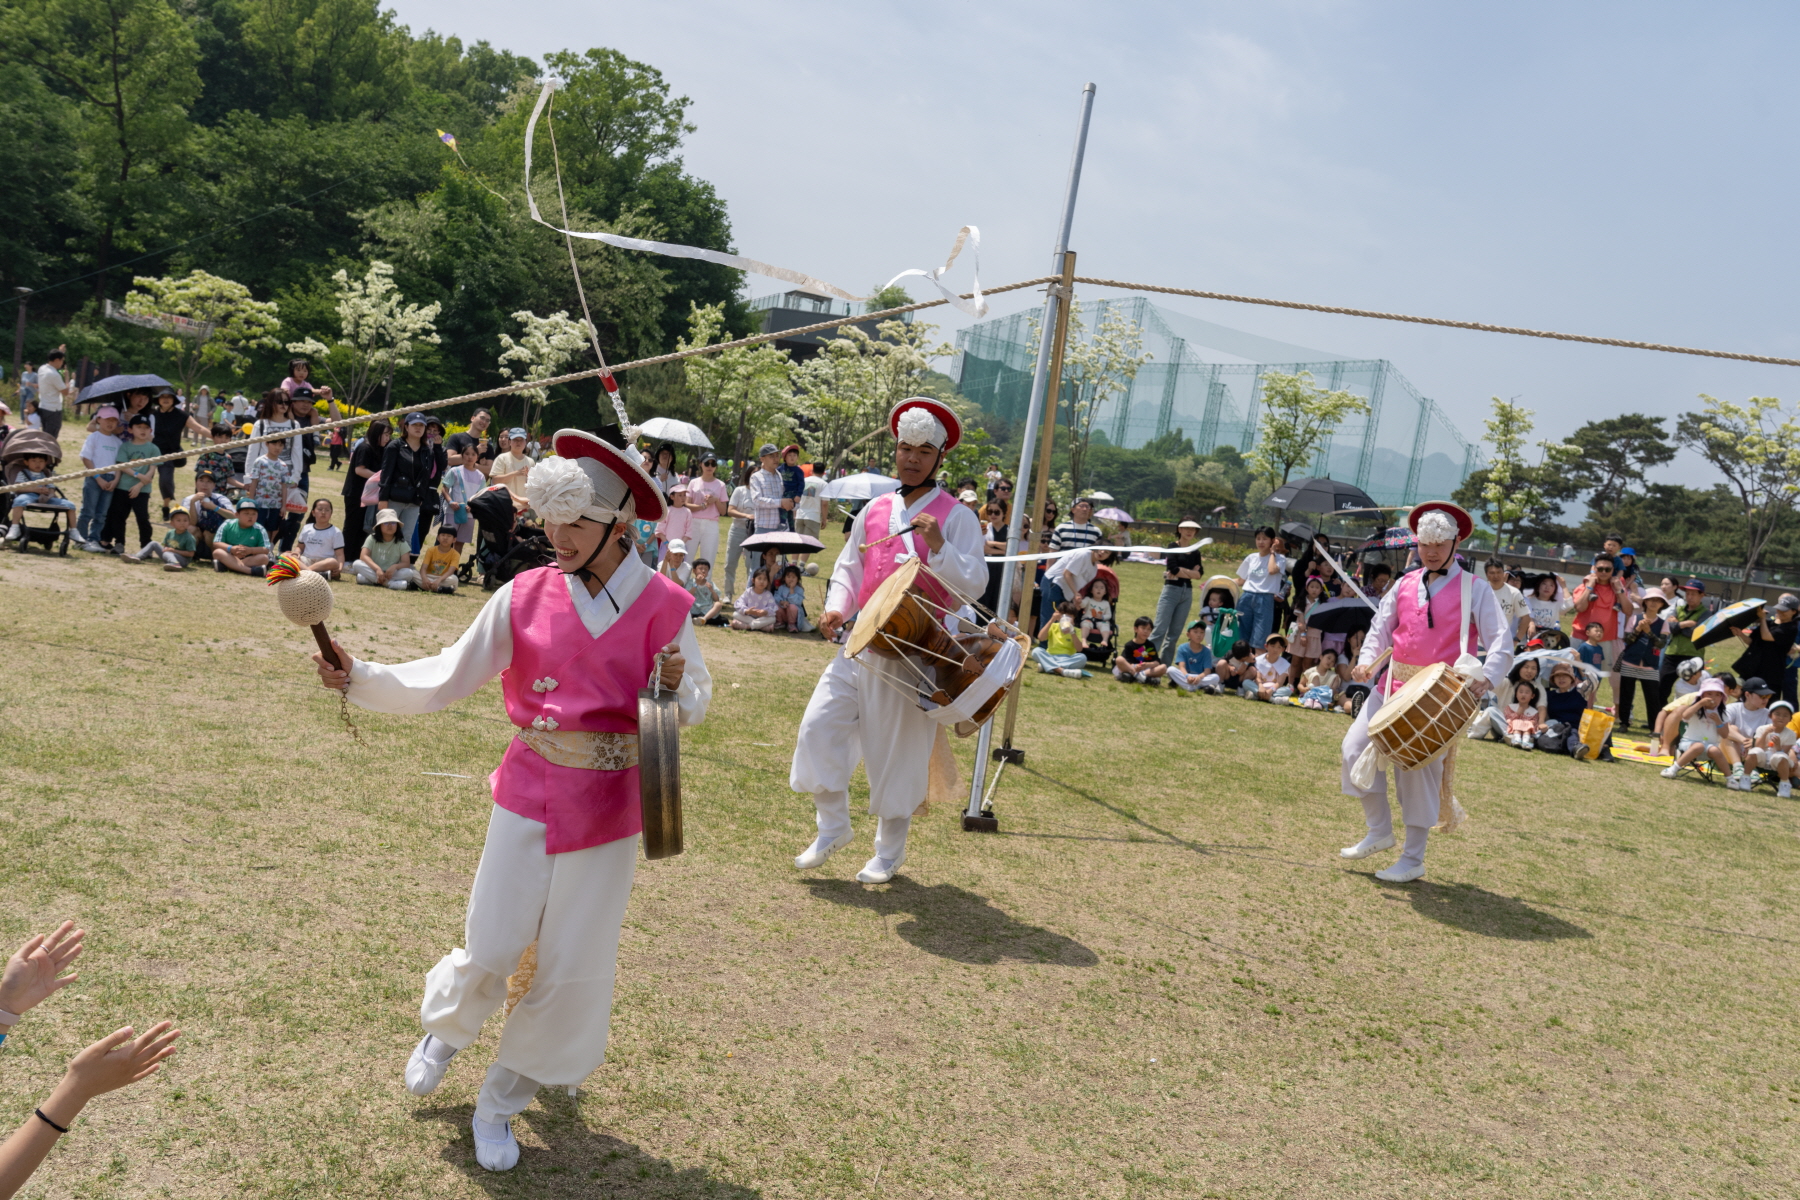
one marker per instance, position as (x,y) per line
(886,537)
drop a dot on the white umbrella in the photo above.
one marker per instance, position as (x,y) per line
(668,429)
(865,485)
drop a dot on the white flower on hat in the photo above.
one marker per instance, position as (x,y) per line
(918,427)
(559,490)
(1436,527)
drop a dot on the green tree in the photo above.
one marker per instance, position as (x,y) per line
(229,320)
(545,350)
(1610,458)
(378,334)
(36,127)
(130,67)
(1511,496)
(1297,419)
(847,390)
(1198,498)
(329,60)
(1756,447)
(746,392)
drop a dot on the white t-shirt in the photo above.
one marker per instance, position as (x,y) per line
(1780,741)
(1512,604)
(240,405)
(50,393)
(314,542)
(810,507)
(1272,672)
(740,499)
(1546,614)
(1258,578)
(1745,719)
(101,449)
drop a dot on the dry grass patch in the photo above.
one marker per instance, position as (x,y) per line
(1157,980)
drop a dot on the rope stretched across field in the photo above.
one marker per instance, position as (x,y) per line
(821,326)
(514,388)
(1445,322)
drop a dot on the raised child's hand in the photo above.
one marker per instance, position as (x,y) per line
(119,1059)
(32,973)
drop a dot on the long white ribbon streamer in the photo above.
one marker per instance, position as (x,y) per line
(974,307)
(1049,554)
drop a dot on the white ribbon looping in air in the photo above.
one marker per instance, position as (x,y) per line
(1046,555)
(975,307)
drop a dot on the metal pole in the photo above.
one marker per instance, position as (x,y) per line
(1062,262)
(24,294)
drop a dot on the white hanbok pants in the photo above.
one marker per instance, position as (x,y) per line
(854,716)
(1418,790)
(571,905)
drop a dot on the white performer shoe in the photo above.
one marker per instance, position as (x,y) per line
(1369,845)
(423,1074)
(1400,874)
(495,1153)
(816,854)
(877,870)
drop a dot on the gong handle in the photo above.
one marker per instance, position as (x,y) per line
(323,636)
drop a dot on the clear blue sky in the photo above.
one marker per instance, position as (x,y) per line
(1616,169)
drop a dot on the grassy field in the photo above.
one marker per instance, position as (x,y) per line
(1158,979)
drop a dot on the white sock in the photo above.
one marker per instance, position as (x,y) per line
(1413,854)
(492,1131)
(438,1051)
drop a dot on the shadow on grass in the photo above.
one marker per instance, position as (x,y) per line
(1477,910)
(954,923)
(575,1160)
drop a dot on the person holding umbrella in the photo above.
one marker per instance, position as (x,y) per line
(1766,645)
(1177,597)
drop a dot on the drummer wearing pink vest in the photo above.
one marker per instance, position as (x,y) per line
(1432,615)
(855,712)
(572,644)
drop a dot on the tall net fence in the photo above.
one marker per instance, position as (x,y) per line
(1205,381)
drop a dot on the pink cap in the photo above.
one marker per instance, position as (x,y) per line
(1714,687)
(108,411)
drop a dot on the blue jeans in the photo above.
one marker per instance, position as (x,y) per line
(95,500)
(1052,594)
(1257,619)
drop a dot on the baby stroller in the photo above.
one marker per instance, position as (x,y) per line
(60,531)
(502,550)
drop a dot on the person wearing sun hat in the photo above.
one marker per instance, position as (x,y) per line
(854,713)
(1434,614)
(1176,599)
(572,643)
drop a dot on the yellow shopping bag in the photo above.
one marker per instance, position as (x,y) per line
(1595,726)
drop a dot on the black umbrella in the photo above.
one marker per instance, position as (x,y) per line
(1300,530)
(1318,496)
(113,385)
(783,542)
(1347,614)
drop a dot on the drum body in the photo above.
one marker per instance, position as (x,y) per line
(1418,723)
(659,771)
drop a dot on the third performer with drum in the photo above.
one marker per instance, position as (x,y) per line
(1432,615)
(855,713)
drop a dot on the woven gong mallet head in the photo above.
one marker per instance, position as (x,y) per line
(305,599)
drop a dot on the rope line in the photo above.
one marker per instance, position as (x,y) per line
(511,389)
(1445,322)
(761,338)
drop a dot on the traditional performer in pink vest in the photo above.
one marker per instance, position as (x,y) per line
(1432,615)
(854,713)
(572,644)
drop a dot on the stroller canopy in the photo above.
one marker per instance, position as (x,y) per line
(27,441)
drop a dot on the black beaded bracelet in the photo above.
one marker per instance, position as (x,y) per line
(50,1123)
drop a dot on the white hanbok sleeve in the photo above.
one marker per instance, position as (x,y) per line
(695,692)
(1381,631)
(430,684)
(847,572)
(961,562)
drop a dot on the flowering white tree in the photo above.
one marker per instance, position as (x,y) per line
(379,333)
(751,388)
(218,320)
(847,390)
(547,346)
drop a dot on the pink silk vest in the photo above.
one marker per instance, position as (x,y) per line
(597,682)
(879,561)
(1420,643)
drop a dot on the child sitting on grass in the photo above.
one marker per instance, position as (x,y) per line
(1136,661)
(177,548)
(1319,683)
(755,609)
(386,559)
(437,565)
(708,604)
(1772,749)
(1193,665)
(790,601)
(1237,667)
(217,463)
(242,545)
(1563,705)
(1060,652)
(31,468)
(209,509)
(321,544)
(1096,615)
(1700,734)
(1523,720)
(1271,669)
